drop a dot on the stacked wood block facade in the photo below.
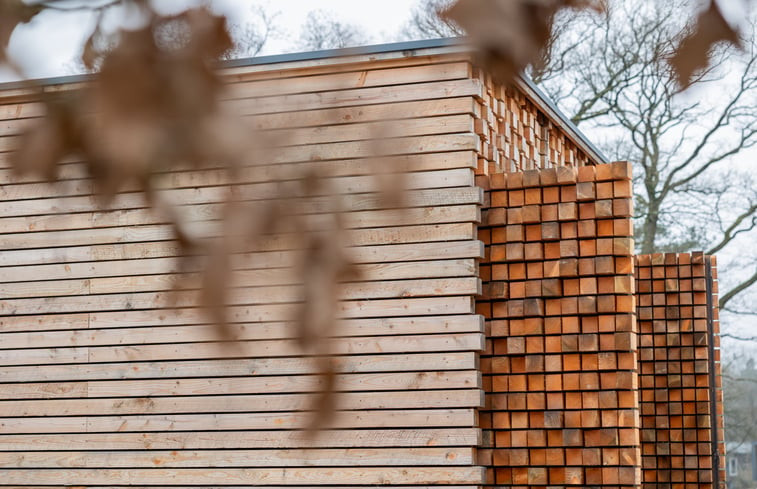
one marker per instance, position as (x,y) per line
(110,378)
(561,358)
(681,399)
(519,135)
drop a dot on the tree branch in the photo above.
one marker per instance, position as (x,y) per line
(728,296)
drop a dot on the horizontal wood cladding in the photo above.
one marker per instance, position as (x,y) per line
(110,376)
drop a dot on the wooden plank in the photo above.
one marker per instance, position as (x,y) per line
(161,232)
(416,399)
(324,117)
(287,289)
(429,418)
(192,187)
(278,273)
(365,113)
(241,385)
(284,70)
(353,79)
(254,312)
(369,131)
(244,439)
(158,232)
(373,76)
(341,486)
(206,212)
(359,202)
(20,110)
(256,181)
(71,169)
(103,300)
(138,251)
(339,457)
(258,477)
(245,331)
(178,317)
(269,313)
(259,348)
(389,362)
(44,322)
(343,150)
(356,96)
(339,64)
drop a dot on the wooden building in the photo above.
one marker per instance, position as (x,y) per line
(503,333)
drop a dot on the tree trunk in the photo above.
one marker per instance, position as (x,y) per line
(649,228)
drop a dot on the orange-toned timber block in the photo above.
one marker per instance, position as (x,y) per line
(622,207)
(622,188)
(531,214)
(575,475)
(548,176)
(604,190)
(535,270)
(566,175)
(604,172)
(569,230)
(568,193)
(531,178)
(549,212)
(568,248)
(551,195)
(514,180)
(550,231)
(603,208)
(585,191)
(586,210)
(621,170)
(587,228)
(567,211)
(514,215)
(622,227)
(498,181)
(586,174)
(533,196)
(498,198)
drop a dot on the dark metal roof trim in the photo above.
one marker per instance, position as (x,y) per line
(343,52)
(408,47)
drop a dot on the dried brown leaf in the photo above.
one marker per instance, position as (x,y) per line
(13,13)
(510,34)
(324,401)
(694,51)
(44,145)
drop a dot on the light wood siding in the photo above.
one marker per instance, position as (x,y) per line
(110,377)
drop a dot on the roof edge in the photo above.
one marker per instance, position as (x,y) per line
(407,47)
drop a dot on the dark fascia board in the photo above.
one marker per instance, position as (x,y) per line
(409,48)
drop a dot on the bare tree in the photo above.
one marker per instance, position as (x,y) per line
(251,36)
(612,73)
(322,30)
(611,69)
(248,38)
(426,23)
(740,411)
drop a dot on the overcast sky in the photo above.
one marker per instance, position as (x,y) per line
(48,46)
